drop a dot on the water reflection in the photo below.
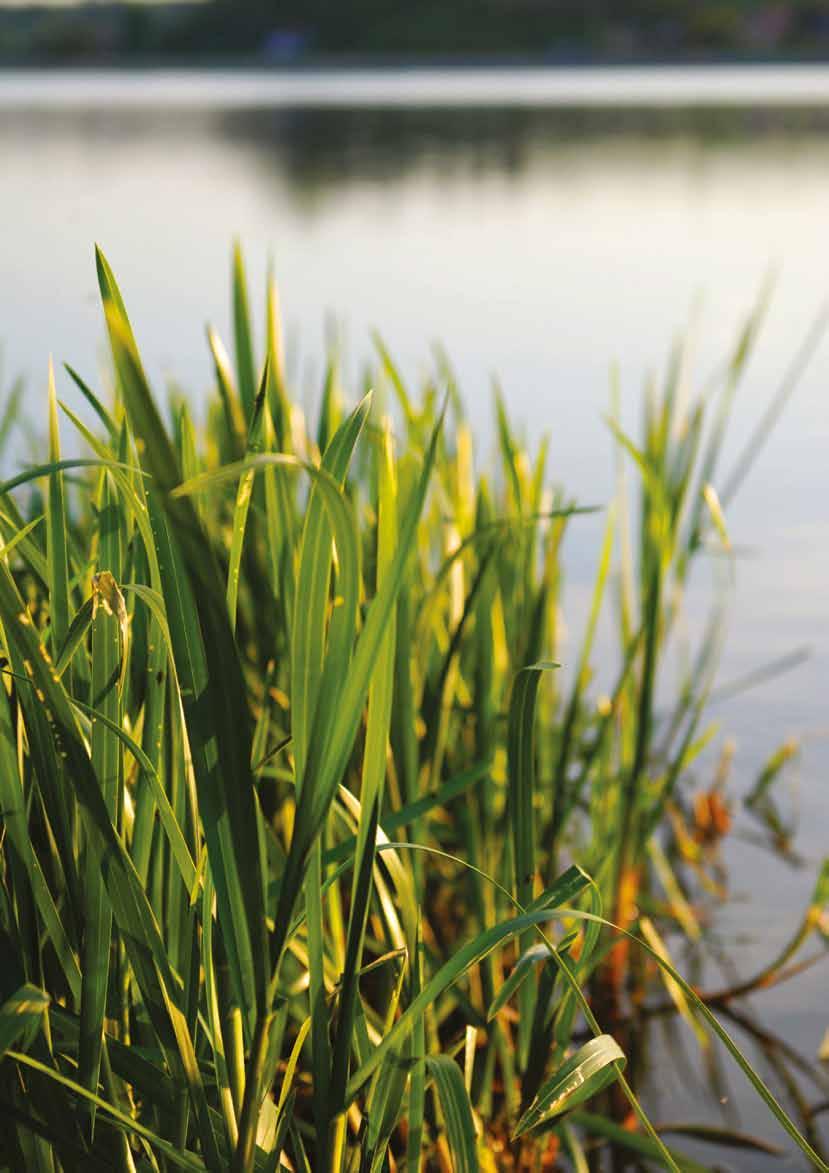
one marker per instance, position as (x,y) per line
(308,147)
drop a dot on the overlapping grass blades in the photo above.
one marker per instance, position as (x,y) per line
(293,817)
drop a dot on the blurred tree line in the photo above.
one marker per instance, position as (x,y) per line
(293,30)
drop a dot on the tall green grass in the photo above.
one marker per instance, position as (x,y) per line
(312,854)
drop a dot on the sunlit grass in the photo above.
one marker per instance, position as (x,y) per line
(310,858)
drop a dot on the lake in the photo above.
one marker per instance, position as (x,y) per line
(545,226)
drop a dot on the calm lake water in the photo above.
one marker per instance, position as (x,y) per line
(544,226)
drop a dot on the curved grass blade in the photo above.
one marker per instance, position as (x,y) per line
(535,955)
(581,1076)
(55,467)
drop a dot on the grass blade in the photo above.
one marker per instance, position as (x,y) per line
(243,335)
(457,1112)
(521,771)
(108,619)
(21,1015)
(583,1075)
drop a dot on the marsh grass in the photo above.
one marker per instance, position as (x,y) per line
(310,858)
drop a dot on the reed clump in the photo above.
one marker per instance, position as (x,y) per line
(312,855)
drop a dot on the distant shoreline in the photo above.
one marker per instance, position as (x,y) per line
(407,63)
(739,87)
